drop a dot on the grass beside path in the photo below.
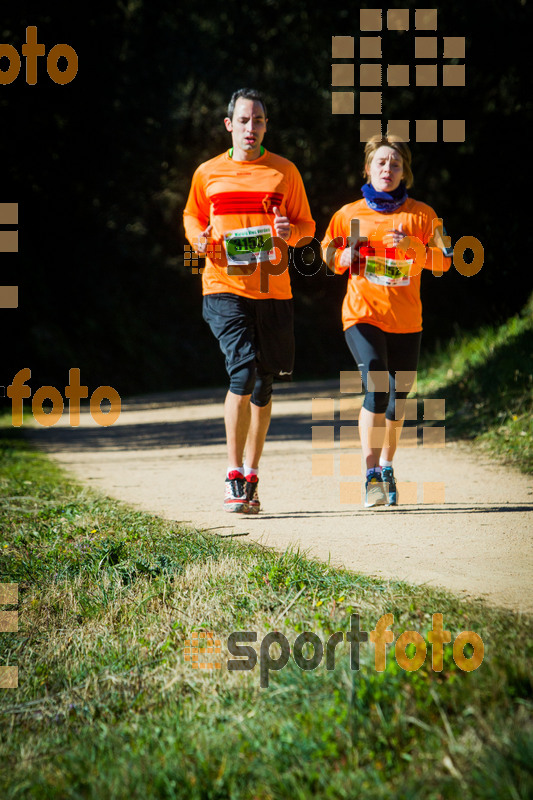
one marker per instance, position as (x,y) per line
(487,381)
(108,707)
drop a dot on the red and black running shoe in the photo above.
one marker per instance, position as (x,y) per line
(254,506)
(235,494)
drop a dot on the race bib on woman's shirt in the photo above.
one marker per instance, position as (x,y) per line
(387,271)
(246,245)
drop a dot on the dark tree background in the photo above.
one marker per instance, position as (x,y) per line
(101,169)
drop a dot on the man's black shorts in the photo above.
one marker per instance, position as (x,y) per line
(247,330)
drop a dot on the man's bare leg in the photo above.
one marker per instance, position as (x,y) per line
(237,417)
(246,428)
(259,423)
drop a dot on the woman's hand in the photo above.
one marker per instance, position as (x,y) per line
(350,254)
(393,237)
(346,258)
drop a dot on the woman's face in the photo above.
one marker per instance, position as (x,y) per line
(386,169)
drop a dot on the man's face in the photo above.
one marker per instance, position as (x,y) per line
(247,128)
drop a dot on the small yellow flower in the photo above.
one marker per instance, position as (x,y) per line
(93,531)
(319,603)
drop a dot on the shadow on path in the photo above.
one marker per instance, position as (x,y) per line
(158,435)
(429,509)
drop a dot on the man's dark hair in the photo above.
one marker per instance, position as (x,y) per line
(248,94)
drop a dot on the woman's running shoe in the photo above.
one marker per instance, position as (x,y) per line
(374,490)
(387,476)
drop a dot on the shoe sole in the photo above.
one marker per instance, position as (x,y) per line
(236,508)
(254,509)
(381,500)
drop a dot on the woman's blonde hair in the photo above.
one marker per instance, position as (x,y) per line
(398,144)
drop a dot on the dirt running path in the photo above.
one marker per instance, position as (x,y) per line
(166,455)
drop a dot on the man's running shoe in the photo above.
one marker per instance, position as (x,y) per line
(375,491)
(389,481)
(235,497)
(254,506)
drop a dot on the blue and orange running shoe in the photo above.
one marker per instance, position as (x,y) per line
(389,481)
(374,490)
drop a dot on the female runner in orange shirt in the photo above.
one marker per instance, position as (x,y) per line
(382,311)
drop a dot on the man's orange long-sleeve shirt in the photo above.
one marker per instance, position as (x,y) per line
(237,198)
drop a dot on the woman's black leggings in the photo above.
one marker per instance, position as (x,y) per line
(379,353)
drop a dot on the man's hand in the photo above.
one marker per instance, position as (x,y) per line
(282,226)
(203,240)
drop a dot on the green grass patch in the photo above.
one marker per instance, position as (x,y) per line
(487,381)
(108,706)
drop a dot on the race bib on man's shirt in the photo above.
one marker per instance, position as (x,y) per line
(246,245)
(387,271)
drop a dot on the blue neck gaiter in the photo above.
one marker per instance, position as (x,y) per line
(384,202)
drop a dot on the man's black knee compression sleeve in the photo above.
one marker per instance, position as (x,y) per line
(243,379)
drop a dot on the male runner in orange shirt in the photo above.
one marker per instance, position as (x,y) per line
(238,202)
